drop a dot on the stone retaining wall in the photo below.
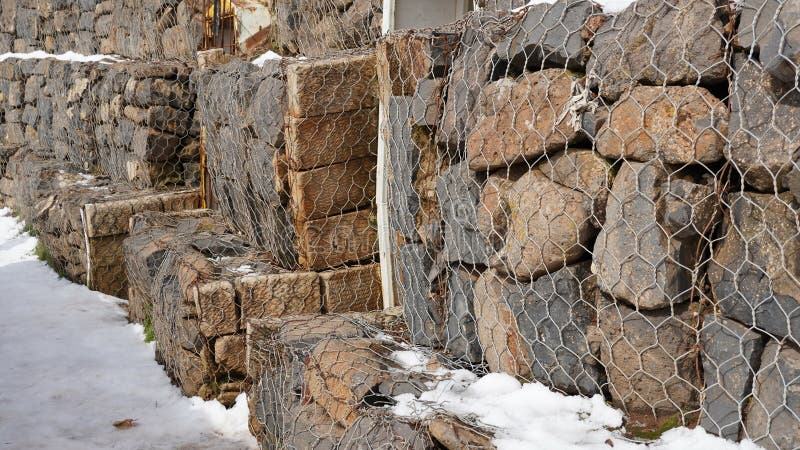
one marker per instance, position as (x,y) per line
(575,207)
(152,30)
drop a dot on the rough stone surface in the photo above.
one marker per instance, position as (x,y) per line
(647,251)
(584,171)
(653,42)
(460,334)
(762,151)
(677,124)
(520,120)
(459,194)
(772,419)
(755,268)
(780,51)
(554,315)
(549,226)
(423,312)
(472,67)
(731,357)
(503,346)
(549,35)
(650,359)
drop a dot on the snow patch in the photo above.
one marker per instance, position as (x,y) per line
(73,365)
(270,55)
(68,56)
(529,415)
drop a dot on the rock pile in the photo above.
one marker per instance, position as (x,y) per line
(153,30)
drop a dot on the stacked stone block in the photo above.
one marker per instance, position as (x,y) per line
(81,219)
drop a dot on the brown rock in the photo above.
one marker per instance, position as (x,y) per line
(229,353)
(678,124)
(650,359)
(276,295)
(550,226)
(503,347)
(584,171)
(523,120)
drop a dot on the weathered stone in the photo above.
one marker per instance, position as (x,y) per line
(549,226)
(229,353)
(423,312)
(153,145)
(458,193)
(277,295)
(494,213)
(584,171)
(754,270)
(554,315)
(772,418)
(522,120)
(756,18)
(472,67)
(341,373)
(404,162)
(762,151)
(677,124)
(460,334)
(427,102)
(650,359)
(503,346)
(454,434)
(388,429)
(653,43)
(216,308)
(549,35)
(648,252)
(731,357)
(352,289)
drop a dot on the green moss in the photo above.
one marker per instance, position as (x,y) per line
(653,433)
(29,229)
(149,332)
(43,254)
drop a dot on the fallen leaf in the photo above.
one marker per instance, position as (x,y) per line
(609,442)
(124,424)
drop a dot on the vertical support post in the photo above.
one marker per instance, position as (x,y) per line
(382,203)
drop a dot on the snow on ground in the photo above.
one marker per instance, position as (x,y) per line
(530,416)
(71,365)
(68,56)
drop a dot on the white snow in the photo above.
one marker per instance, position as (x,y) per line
(265,57)
(68,56)
(71,365)
(609,6)
(526,416)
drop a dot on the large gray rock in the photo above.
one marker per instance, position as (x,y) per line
(460,334)
(540,330)
(554,315)
(780,53)
(650,359)
(403,162)
(755,269)
(756,18)
(458,193)
(423,313)
(649,250)
(773,419)
(764,126)
(471,69)
(387,429)
(731,357)
(654,42)
(549,226)
(549,35)
(584,171)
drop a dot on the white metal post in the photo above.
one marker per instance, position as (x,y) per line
(384,232)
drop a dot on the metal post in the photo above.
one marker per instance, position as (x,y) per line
(384,232)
